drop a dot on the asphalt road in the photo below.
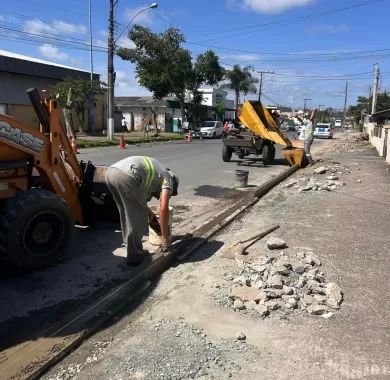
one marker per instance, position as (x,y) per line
(198,164)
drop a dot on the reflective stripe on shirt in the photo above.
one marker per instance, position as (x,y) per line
(151,173)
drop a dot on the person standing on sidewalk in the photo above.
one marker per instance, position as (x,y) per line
(124,125)
(132,182)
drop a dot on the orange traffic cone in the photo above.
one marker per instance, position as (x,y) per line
(189,137)
(73,144)
(122,143)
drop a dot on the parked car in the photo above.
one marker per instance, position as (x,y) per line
(323,130)
(211,129)
(291,127)
(337,123)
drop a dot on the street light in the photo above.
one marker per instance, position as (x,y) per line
(111,49)
(151,6)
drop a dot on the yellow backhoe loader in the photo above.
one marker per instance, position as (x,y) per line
(44,190)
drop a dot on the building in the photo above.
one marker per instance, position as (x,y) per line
(378,133)
(19,72)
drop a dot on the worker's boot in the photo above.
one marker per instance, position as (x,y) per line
(309,159)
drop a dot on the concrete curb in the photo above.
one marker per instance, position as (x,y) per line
(70,333)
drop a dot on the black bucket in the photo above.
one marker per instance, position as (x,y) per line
(242,178)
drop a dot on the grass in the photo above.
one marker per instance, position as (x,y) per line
(93,142)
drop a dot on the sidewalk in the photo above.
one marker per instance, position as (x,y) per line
(189,327)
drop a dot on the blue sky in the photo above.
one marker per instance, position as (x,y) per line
(313,46)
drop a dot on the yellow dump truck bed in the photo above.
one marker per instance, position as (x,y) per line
(254,116)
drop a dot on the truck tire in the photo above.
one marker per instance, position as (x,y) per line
(36,229)
(227,152)
(268,154)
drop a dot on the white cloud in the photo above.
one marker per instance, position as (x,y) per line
(125,42)
(269,6)
(327,28)
(242,57)
(2,18)
(126,84)
(144,18)
(55,27)
(52,52)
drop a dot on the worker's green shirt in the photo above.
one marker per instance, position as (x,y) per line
(150,174)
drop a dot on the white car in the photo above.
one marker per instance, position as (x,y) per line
(212,129)
(337,123)
(323,130)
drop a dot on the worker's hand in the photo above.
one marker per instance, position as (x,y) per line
(165,244)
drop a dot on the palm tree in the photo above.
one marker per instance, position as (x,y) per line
(240,80)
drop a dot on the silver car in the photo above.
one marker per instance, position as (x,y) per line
(323,130)
(211,129)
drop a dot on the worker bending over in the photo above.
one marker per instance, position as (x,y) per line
(133,181)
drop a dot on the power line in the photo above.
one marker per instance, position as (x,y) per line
(288,21)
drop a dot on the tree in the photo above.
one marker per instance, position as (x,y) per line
(72,95)
(240,80)
(164,67)
(220,110)
(364,103)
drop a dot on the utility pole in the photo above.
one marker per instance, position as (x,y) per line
(261,81)
(110,76)
(375,91)
(319,110)
(91,110)
(304,104)
(345,106)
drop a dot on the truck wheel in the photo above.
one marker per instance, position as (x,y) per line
(36,228)
(241,154)
(268,154)
(227,152)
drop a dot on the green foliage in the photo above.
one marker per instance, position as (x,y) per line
(220,109)
(73,93)
(80,90)
(240,80)
(164,67)
(364,103)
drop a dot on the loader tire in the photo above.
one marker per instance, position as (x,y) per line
(36,229)
(227,152)
(268,154)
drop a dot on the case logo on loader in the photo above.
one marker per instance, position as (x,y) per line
(17,136)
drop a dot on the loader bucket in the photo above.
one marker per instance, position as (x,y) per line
(295,157)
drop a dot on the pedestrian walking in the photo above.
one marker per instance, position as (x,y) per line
(124,125)
(132,182)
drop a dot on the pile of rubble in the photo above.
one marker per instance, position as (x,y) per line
(314,183)
(284,283)
(348,142)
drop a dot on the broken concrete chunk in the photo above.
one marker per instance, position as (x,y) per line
(276,243)
(291,183)
(308,299)
(246,293)
(312,259)
(320,170)
(299,268)
(241,336)
(287,290)
(250,305)
(320,299)
(316,309)
(272,305)
(332,178)
(276,282)
(262,310)
(334,295)
(238,304)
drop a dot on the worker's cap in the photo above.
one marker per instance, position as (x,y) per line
(175,180)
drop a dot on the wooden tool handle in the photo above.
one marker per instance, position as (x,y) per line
(260,234)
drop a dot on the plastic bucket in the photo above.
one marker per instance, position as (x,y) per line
(242,178)
(155,239)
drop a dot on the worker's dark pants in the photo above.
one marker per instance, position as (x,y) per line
(130,198)
(308,143)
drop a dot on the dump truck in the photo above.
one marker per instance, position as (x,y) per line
(44,190)
(261,134)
